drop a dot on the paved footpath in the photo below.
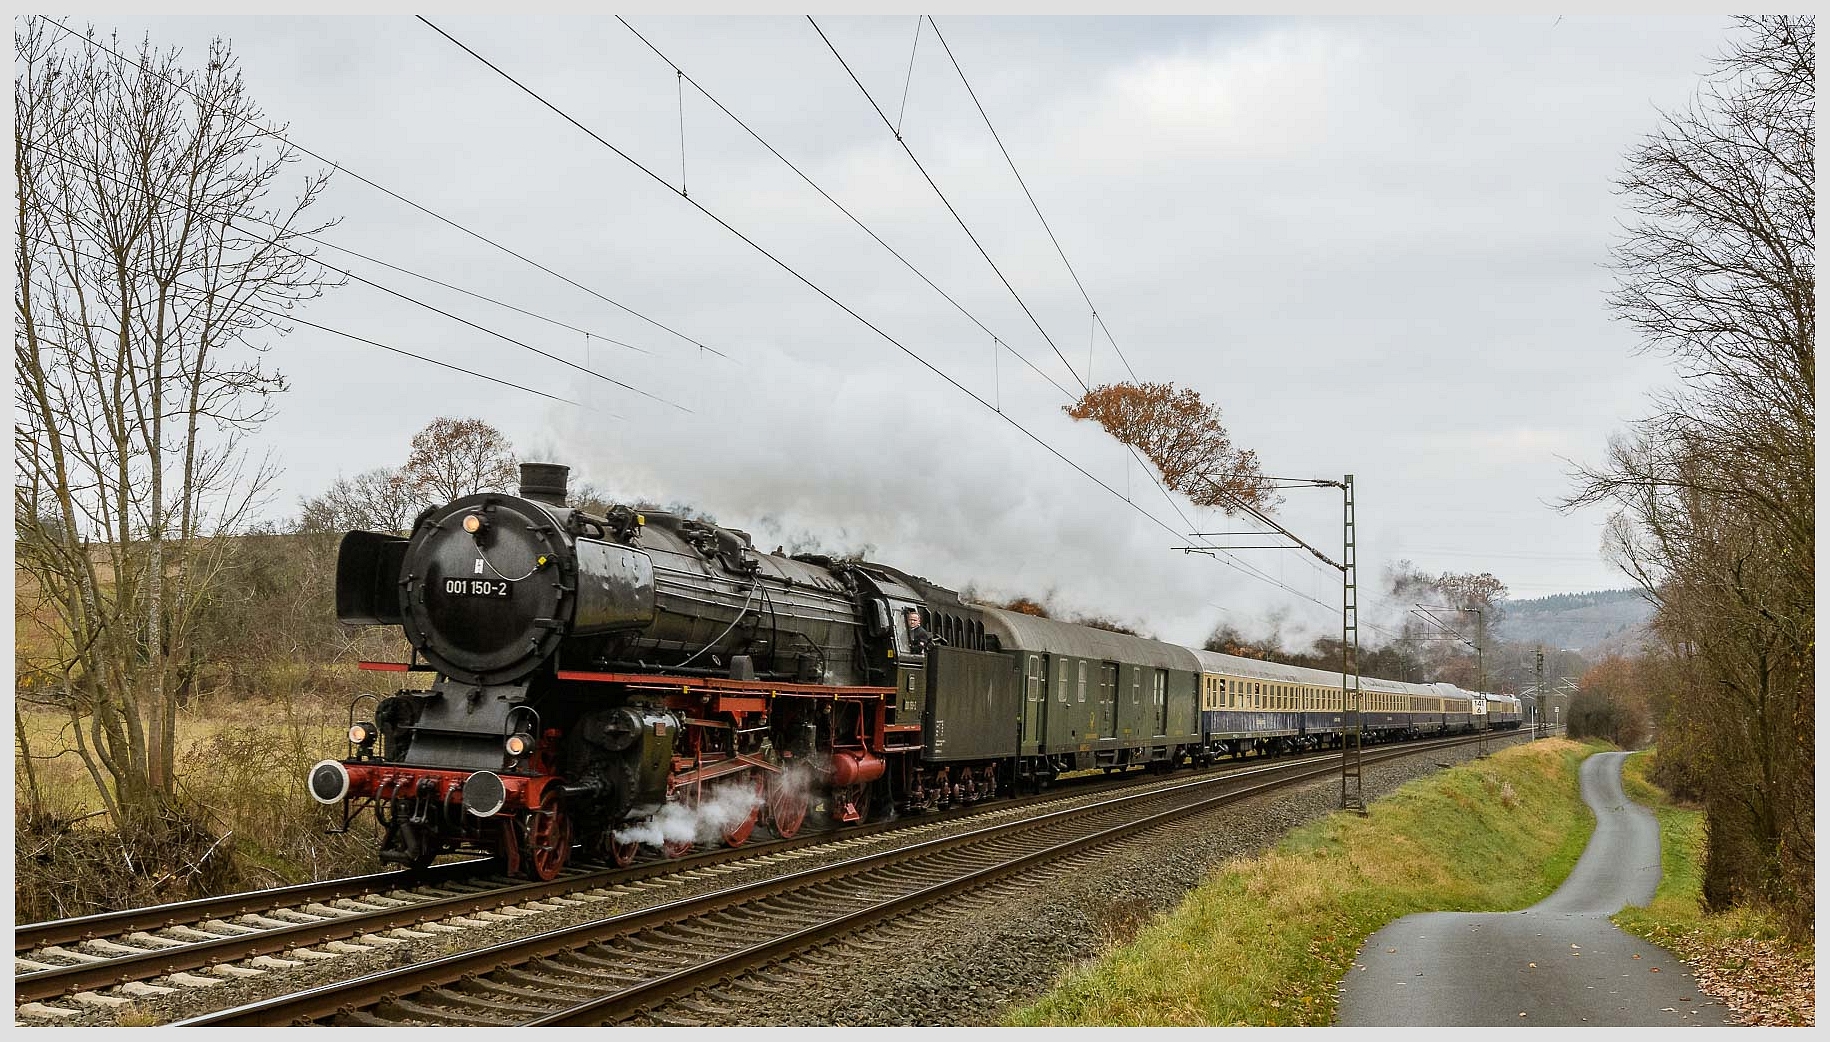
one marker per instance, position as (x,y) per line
(1559,962)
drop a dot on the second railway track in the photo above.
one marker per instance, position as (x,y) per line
(627,965)
(276,929)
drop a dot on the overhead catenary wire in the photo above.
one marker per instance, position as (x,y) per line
(289,317)
(1007,285)
(909,77)
(274,242)
(525,259)
(1234,563)
(811,183)
(341,168)
(1230,561)
(1032,200)
(943,198)
(873,327)
(1095,320)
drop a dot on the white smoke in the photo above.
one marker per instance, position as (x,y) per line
(720,809)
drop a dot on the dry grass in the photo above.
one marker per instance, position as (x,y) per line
(1266,939)
(248,820)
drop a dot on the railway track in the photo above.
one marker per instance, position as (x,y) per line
(632,964)
(201,943)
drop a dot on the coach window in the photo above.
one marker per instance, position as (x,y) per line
(1136,682)
(1061,684)
(1083,682)
(1257,696)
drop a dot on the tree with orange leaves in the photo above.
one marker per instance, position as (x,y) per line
(1185,440)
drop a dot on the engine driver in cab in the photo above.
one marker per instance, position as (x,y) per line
(920,640)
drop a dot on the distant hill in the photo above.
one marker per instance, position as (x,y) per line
(1599,622)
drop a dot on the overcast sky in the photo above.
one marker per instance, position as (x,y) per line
(1379,245)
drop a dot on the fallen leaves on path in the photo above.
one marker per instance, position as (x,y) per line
(1761,982)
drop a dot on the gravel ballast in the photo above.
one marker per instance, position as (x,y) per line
(969,962)
(963,963)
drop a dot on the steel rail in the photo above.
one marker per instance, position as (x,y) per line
(642,997)
(329,1000)
(189,955)
(27,936)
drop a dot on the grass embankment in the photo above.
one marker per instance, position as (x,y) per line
(1740,955)
(1266,939)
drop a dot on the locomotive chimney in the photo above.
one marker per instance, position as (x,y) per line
(544,482)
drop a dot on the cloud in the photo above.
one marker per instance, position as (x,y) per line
(1378,244)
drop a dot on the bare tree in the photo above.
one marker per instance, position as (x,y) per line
(456,457)
(1184,438)
(378,500)
(144,301)
(1715,492)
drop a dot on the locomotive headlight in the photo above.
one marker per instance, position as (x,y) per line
(473,523)
(362,734)
(519,744)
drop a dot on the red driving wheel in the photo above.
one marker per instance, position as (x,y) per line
(739,834)
(623,854)
(680,847)
(549,839)
(787,808)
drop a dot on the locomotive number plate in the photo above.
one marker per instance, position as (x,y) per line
(476,588)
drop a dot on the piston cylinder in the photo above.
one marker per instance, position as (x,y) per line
(855,768)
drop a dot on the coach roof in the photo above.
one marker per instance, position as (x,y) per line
(1017,631)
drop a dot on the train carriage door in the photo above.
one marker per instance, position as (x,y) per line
(1160,690)
(1108,700)
(1035,674)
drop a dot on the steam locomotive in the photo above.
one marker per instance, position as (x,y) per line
(605,680)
